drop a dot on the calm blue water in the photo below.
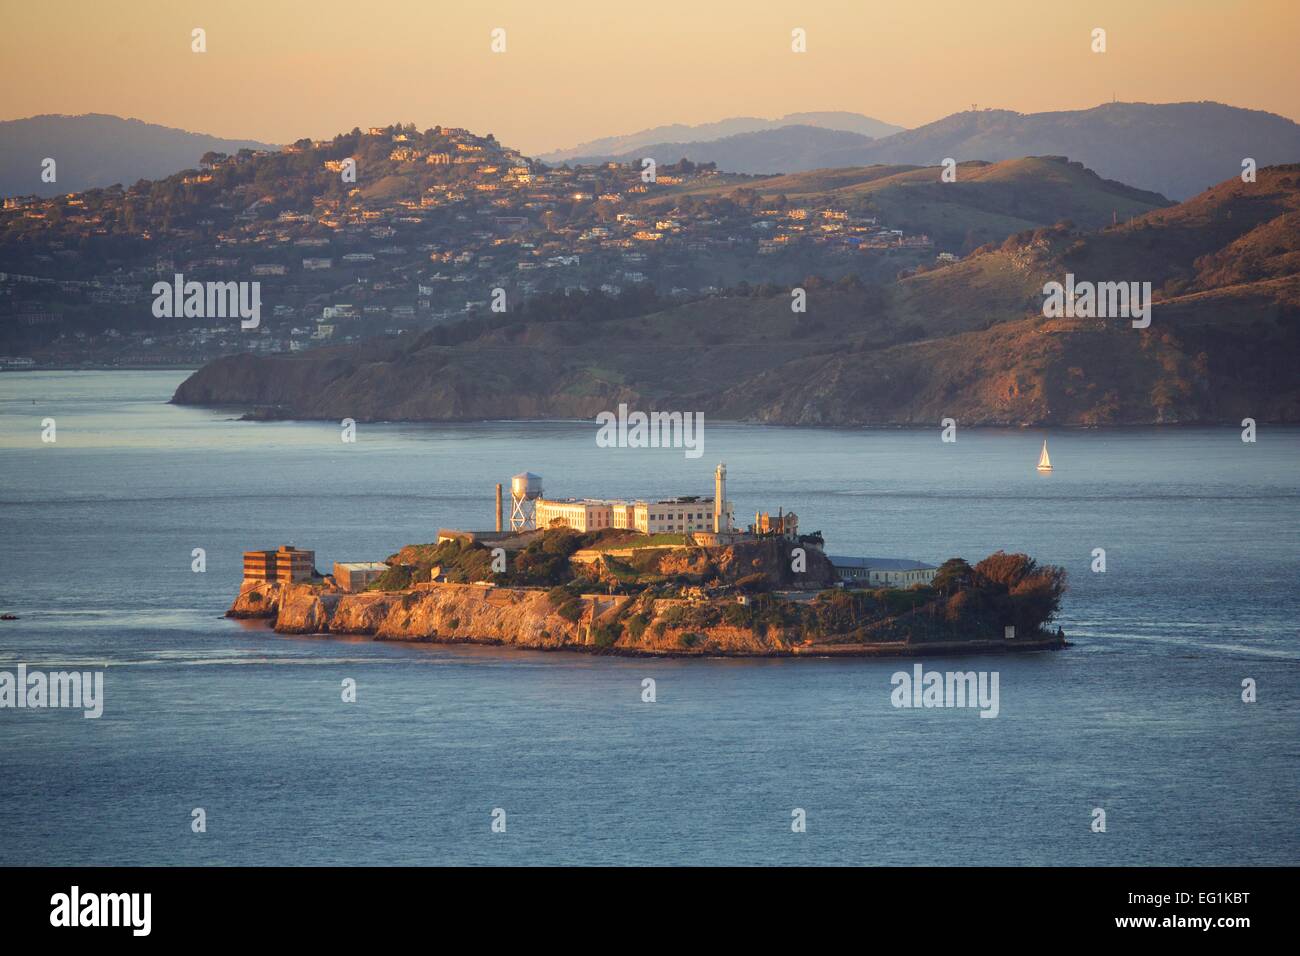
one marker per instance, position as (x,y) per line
(1142,718)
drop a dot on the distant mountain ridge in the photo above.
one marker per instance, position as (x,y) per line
(94,149)
(1175,149)
(781,150)
(835,120)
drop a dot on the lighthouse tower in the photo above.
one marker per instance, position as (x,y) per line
(721,519)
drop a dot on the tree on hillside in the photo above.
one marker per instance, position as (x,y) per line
(953,575)
(1023,592)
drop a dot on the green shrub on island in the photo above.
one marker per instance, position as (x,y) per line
(545,561)
(736,615)
(1020,591)
(676,615)
(619,540)
(646,561)
(953,575)
(457,562)
(565,603)
(606,635)
(626,575)
(396,578)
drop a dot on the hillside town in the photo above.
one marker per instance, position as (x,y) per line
(391,230)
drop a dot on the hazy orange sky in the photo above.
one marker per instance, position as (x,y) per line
(277,70)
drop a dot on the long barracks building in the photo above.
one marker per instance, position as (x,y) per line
(668,516)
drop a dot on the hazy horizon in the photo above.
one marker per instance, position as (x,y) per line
(279,73)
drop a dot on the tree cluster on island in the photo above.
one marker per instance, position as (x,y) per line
(706,589)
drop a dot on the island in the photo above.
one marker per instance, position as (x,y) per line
(620,577)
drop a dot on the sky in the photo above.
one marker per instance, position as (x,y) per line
(574,70)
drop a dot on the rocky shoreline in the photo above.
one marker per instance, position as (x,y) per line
(525,618)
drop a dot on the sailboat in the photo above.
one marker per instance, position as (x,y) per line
(1044,462)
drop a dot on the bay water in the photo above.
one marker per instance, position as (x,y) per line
(1142,718)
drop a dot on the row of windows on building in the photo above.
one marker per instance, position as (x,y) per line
(594,515)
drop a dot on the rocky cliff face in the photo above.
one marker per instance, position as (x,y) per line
(455,613)
(448,612)
(257,599)
(452,613)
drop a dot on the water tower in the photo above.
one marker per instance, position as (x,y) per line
(525,489)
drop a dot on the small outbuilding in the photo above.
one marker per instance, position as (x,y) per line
(357,575)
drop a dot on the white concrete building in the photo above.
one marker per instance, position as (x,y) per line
(580,515)
(670,516)
(682,515)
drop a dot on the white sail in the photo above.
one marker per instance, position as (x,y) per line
(1044,462)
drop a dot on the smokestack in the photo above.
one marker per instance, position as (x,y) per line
(499,513)
(720,499)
